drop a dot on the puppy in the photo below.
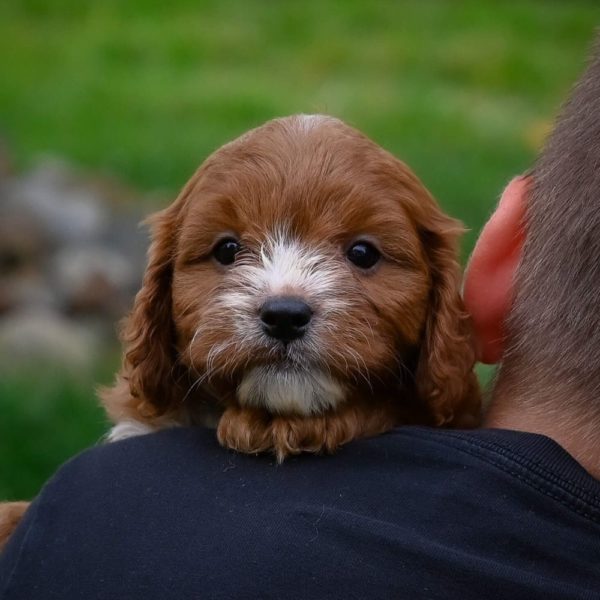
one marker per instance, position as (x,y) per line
(304,290)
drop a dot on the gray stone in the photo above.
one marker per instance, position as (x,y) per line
(28,290)
(72,255)
(28,336)
(53,200)
(94,279)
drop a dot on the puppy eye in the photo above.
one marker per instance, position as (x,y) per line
(363,255)
(225,251)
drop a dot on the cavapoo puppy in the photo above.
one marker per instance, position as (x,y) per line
(303,291)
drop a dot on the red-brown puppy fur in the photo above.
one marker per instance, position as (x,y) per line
(385,345)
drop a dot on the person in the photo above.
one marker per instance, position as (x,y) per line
(511,510)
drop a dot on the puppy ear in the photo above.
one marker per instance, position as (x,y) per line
(444,376)
(149,381)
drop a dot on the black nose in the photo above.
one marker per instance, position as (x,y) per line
(285,319)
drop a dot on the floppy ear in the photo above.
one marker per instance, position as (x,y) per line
(149,381)
(444,376)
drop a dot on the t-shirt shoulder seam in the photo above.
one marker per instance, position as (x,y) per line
(569,487)
(489,452)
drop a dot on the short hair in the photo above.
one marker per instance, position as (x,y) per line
(553,329)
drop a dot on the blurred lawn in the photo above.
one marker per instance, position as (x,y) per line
(47,417)
(463,91)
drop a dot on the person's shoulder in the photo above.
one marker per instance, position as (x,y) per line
(196,449)
(189,460)
(147,449)
(193,446)
(141,511)
(193,454)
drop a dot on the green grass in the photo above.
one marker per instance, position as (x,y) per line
(462,91)
(46,418)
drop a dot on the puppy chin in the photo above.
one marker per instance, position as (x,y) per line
(290,391)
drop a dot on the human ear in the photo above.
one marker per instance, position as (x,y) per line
(489,278)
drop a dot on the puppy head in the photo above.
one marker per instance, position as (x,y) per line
(300,266)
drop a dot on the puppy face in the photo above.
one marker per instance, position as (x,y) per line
(301,267)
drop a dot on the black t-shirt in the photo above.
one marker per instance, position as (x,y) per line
(416,513)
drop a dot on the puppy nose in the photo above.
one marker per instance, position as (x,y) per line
(285,319)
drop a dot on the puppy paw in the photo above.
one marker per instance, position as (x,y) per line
(246,430)
(10,516)
(292,435)
(326,433)
(252,430)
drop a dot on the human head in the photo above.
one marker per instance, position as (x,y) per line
(533,285)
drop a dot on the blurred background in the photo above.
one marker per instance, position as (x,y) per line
(106,108)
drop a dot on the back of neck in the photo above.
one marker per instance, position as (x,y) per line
(560,418)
